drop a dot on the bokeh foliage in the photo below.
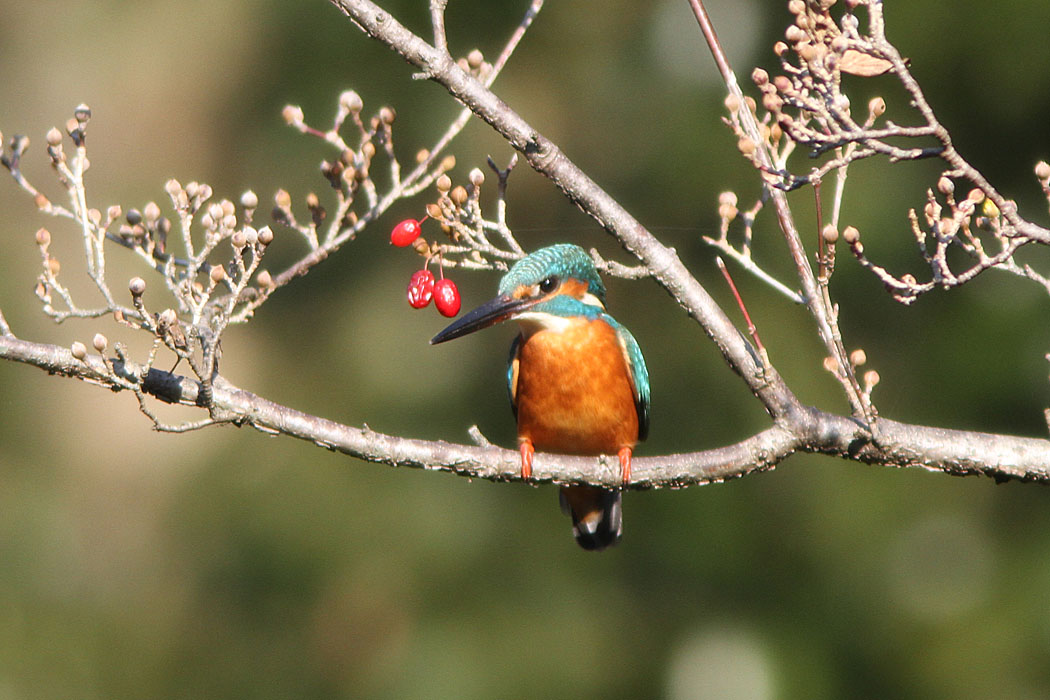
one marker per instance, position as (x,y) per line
(229,564)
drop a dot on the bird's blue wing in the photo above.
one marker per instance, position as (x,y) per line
(639,376)
(512,374)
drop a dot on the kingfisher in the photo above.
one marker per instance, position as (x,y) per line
(576,377)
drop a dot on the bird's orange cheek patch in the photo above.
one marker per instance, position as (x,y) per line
(574,288)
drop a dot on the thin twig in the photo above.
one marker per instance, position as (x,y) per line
(825,325)
(751,328)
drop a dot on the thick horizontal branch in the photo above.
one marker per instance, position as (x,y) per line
(805,430)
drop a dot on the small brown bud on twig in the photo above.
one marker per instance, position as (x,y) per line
(387,115)
(476,177)
(871,378)
(830,234)
(858,357)
(851,235)
(264,279)
(727,205)
(421,246)
(292,114)
(73,129)
(54,267)
(249,200)
(217,274)
(459,195)
(265,235)
(433,211)
(54,137)
(79,350)
(137,286)
(474,59)
(100,342)
(877,106)
(746,146)
(1042,170)
(831,364)
(282,199)
(945,186)
(41,201)
(760,77)
(772,102)
(350,101)
(443,184)
(43,237)
(775,134)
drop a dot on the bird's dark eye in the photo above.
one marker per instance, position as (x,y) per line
(549,285)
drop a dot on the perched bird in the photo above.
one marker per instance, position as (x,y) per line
(577,380)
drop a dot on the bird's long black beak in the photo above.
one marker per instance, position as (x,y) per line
(488,314)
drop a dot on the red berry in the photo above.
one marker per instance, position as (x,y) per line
(405,232)
(446,297)
(420,289)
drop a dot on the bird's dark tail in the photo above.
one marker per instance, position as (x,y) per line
(597,520)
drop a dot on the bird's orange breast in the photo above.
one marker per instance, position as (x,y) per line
(573,390)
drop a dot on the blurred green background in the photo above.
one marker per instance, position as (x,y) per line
(227,564)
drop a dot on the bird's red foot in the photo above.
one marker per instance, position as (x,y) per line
(625,465)
(527,450)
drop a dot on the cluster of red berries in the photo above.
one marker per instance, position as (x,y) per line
(423,287)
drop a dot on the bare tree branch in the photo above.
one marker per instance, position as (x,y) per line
(805,429)
(795,428)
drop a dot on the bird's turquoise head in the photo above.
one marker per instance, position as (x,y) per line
(559,280)
(548,269)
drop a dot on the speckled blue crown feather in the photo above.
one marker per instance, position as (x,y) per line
(564,260)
